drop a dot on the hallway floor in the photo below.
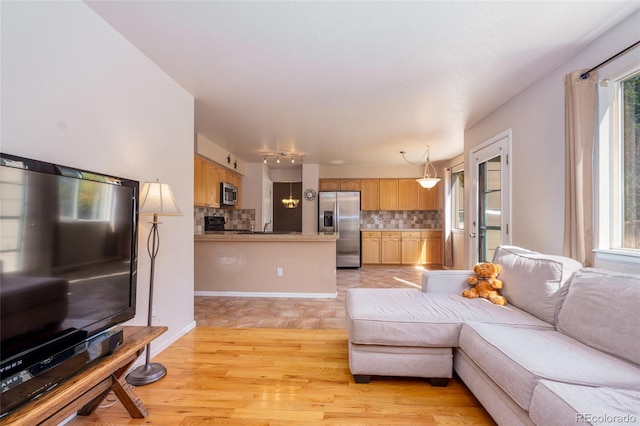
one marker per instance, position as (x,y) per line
(302,313)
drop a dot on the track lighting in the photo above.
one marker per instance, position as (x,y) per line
(293,158)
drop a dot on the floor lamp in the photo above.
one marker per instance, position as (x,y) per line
(155,199)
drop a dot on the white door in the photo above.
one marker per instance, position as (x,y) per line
(490,201)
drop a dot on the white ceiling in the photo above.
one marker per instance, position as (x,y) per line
(355,82)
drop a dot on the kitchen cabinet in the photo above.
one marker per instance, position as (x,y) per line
(428,199)
(369,194)
(390,247)
(388,194)
(199,182)
(350,185)
(329,185)
(401,247)
(206,183)
(411,252)
(371,247)
(431,242)
(213,185)
(408,194)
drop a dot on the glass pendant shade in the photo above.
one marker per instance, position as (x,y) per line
(428,180)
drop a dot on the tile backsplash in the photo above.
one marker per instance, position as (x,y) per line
(234,219)
(381,219)
(403,219)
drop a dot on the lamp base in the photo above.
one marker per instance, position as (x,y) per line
(146,374)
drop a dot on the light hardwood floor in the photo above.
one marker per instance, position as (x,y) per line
(296,374)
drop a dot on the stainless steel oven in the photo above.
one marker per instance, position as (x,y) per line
(228,194)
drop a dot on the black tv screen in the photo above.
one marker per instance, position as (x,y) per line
(67,257)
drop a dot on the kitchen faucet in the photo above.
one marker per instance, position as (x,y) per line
(266,225)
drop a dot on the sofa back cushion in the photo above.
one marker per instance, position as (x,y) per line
(601,309)
(532,280)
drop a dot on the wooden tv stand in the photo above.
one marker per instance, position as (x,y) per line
(84,391)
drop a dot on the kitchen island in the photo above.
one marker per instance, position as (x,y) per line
(265,264)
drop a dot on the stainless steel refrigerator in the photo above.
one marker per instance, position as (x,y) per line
(339,211)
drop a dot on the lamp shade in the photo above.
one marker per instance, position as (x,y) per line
(157,198)
(428,182)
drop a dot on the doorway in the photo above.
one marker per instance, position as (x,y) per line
(285,219)
(490,198)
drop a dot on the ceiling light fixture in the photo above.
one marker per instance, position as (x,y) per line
(292,158)
(290,203)
(427,180)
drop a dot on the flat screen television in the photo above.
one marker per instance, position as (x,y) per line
(68,259)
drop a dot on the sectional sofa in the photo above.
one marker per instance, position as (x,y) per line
(564,350)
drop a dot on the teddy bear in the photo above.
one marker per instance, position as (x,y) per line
(485,284)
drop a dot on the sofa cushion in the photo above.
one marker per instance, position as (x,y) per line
(598,302)
(409,317)
(559,404)
(532,280)
(517,358)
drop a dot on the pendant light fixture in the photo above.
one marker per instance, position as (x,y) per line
(290,203)
(427,180)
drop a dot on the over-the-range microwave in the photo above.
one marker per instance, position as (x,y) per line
(228,194)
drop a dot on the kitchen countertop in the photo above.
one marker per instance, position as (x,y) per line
(402,230)
(260,236)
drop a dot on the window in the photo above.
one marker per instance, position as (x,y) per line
(618,158)
(457,200)
(630,159)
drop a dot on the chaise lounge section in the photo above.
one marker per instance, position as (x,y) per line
(565,349)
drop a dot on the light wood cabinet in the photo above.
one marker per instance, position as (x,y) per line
(428,199)
(371,247)
(213,185)
(390,247)
(388,194)
(206,185)
(329,185)
(370,191)
(350,185)
(408,194)
(411,247)
(199,182)
(431,242)
(401,247)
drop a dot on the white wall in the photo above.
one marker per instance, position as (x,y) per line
(536,117)
(310,174)
(213,152)
(75,92)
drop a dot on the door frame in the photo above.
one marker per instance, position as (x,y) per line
(501,143)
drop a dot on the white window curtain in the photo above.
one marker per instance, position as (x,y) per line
(448,240)
(580,118)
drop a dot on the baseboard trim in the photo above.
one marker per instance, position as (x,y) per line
(265,294)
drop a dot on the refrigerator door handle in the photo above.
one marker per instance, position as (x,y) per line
(336,217)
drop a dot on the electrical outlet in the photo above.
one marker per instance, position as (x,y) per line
(279,272)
